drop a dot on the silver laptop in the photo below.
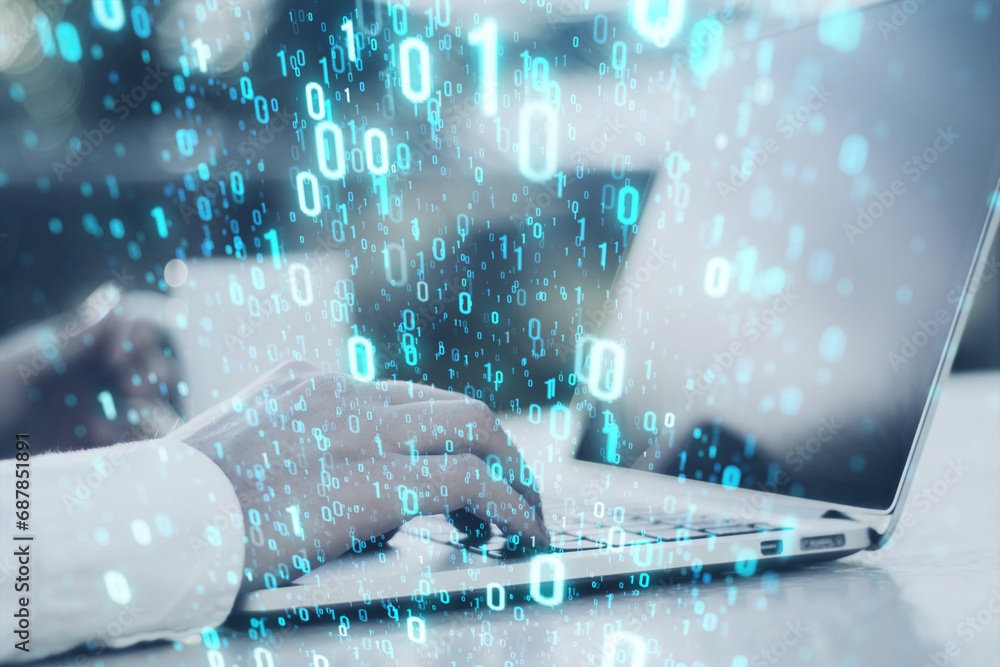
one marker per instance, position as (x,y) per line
(754,388)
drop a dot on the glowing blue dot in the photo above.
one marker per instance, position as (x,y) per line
(86,189)
(69,42)
(768,403)
(56,226)
(102,537)
(213,536)
(981,11)
(70,400)
(164,526)
(809,175)
(761,203)
(774,280)
(820,267)
(904,294)
(853,155)
(30,139)
(845,287)
(840,26)
(858,463)
(80,431)
(141,533)
(744,370)
(16,91)
(96,51)
(790,401)
(117,586)
(832,344)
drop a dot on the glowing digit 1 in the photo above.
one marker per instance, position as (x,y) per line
(271,236)
(486,37)
(348,29)
(107,404)
(161,221)
(717,277)
(296,524)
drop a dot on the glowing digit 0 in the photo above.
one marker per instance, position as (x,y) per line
(406,49)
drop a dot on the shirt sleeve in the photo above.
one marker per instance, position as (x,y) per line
(123,544)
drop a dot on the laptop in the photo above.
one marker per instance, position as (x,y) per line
(753,389)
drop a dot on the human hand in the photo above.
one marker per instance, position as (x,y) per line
(99,374)
(322,462)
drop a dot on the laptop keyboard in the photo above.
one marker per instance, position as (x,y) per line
(583,533)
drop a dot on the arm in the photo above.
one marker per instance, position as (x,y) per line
(130,543)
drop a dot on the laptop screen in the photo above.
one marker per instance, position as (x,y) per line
(787,297)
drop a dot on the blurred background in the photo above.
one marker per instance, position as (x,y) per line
(141,139)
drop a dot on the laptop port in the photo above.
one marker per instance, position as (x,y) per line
(822,542)
(770,548)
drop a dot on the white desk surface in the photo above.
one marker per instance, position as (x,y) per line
(901,606)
